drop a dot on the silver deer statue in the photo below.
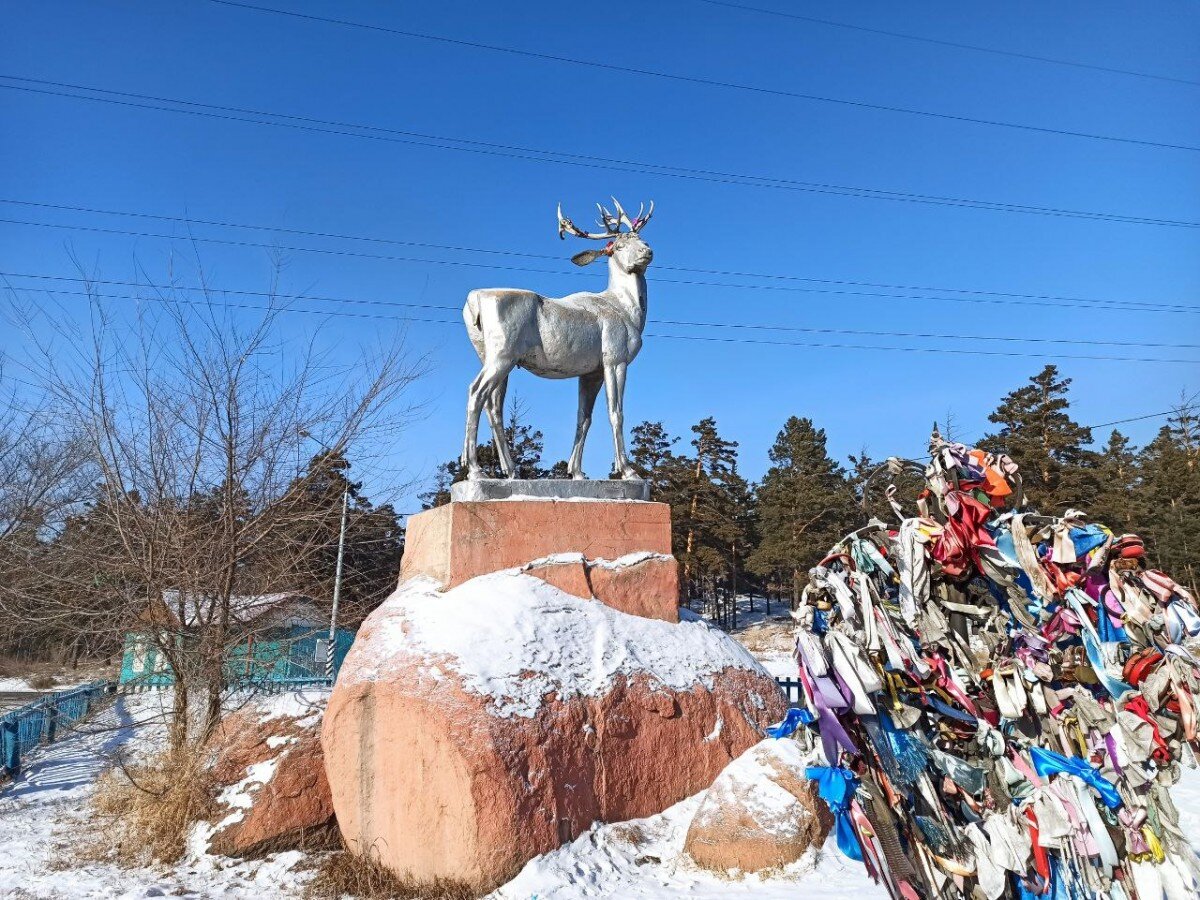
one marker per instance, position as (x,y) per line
(590,336)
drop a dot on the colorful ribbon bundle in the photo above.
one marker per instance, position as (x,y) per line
(1002,699)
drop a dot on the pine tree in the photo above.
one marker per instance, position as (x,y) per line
(670,476)
(708,507)
(805,505)
(1037,431)
(1170,492)
(651,453)
(742,536)
(1119,502)
(525,445)
(374,541)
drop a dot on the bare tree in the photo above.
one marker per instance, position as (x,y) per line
(195,419)
(43,477)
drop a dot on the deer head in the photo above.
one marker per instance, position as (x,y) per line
(626,248)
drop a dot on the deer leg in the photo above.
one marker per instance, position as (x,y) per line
(614,389)
(469,459)
(495,413)
(483,388)
(589,387)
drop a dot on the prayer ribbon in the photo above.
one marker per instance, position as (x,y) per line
(1047,762)
(836,786)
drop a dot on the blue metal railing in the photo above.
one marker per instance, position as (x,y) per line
(39,722)
(283,685)
(262,685)
(794,690)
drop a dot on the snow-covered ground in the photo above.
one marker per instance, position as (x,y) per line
(644,859)
(20,684)
(43,817)
(769,636)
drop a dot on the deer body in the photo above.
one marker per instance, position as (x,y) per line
(590,336)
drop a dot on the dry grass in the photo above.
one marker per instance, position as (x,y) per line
(631,833)
(767,637)
(30,669)
(41,681)
(144,811)
(343,873)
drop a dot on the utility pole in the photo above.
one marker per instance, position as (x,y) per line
(337,572)
(337,589)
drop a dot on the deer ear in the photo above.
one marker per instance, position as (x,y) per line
(586,257)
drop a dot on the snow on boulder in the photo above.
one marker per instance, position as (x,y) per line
(474,729)
(270,775)
(760,813)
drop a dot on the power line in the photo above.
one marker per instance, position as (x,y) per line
(558,157)
(973,296)
(955,44)
(1158,415)
(772,276)
(972,352)
(680,323)
(931,335)
(267,309)
(707,82)
(655,335)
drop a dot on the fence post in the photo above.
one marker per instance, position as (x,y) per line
(50,731)
(12,757)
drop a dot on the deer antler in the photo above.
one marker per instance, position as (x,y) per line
(566,225)
(621,217)
(611,223)
(640,222)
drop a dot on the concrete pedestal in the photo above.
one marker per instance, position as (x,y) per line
(615,551)
(549,489)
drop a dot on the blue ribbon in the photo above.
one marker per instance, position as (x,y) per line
(1088,539)
(836,787)
(1109,633)
(868,558)
(1091,643)
(1115,686)
(947,710)
(1047,762)
(794,719)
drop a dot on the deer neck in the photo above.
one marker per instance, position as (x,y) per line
(629,288)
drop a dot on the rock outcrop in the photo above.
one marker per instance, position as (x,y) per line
(269,770)
(641,584)
(760,813)
(474,729)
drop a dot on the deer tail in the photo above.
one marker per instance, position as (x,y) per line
(471,313)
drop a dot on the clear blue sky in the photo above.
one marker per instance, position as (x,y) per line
(69,151)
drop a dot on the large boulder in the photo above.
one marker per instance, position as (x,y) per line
(269,771)
(474,729)
(760,813)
